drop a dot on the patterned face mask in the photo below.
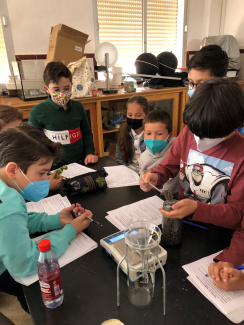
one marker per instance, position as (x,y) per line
(61,98)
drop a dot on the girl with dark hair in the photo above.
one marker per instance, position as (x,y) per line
(131,135)
(26,155)
(208,154)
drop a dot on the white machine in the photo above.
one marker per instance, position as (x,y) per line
(115,247)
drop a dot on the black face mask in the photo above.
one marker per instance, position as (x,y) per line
(134,123)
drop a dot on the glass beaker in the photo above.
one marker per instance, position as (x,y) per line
(171,228)
(141,241)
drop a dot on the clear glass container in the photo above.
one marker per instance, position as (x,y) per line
(28,76)
(171,228)
(141,253)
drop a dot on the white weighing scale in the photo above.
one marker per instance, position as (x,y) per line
(115,247)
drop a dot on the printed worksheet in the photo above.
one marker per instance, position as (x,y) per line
(146,209)
(230,303)
(75,169)
(50,205)
(120,176)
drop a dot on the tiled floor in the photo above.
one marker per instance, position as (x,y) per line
(10,307)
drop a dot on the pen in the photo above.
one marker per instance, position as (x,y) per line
(195,225)
(236,268)
(142,178)
(89,219)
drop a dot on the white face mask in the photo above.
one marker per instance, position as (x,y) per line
(206,143)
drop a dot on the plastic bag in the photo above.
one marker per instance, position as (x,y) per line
(82,78)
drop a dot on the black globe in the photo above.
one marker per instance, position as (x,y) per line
(146,63)
(167,63)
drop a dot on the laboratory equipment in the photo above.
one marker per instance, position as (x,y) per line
(141,242)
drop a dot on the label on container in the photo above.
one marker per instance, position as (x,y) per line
(51,288)
(78,48)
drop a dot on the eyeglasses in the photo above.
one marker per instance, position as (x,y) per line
(190,85)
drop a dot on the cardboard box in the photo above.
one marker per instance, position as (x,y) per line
(66,44)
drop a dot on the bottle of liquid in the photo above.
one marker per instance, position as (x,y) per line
(49,275)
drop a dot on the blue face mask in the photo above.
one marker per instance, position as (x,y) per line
(155,145)
(34,191)
(191,92)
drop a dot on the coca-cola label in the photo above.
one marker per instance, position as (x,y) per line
(51,289)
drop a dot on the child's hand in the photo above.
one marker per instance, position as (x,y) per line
(181,209)
(148,178)
(54,182)
(66,216)
(91,159)
(235,279)
(227,277)
(214,270)
(80,223)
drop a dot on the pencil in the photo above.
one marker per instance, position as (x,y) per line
(89,219)
(195,225)
(237,268)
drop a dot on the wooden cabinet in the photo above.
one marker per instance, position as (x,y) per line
(94,105)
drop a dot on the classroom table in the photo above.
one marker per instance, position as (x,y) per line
(90,281)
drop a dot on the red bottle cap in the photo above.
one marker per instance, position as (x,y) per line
(44,245)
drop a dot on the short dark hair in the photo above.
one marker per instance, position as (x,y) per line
(9,114)
(212,58)
(216,109)
(25,145)
(54,71)
(158,115)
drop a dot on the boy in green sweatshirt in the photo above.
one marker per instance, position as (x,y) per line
(63,119)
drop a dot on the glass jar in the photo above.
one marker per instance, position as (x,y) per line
(171,228)
(130,85)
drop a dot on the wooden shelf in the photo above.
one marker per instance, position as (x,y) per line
(110,131)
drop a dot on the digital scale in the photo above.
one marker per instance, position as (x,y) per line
(115,247)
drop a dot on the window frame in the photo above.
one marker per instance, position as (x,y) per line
(8,39)
(181,33)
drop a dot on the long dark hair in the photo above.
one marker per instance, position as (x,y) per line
(124,142)
(25,145)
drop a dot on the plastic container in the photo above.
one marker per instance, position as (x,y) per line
(171,228)
(49,276)
(130,85)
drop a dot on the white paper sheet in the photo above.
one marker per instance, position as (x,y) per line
(146,209)
(120,176)
(230,303)
(75,169)
(50,205)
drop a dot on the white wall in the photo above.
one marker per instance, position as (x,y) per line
(203,19)
(31,22)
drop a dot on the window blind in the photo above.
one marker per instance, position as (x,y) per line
(4,67)
(121,23)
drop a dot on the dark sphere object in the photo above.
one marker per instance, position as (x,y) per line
(146,63)
(167,63)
